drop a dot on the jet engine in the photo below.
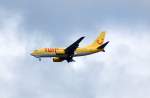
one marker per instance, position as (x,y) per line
(56,59)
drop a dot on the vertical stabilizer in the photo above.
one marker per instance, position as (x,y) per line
(99,41)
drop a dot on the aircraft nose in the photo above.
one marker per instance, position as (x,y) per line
(32,54)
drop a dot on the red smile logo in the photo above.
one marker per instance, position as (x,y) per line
(99,41)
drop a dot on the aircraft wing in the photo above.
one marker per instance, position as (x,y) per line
(69,51)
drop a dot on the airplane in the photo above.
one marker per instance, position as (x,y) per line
(61,54)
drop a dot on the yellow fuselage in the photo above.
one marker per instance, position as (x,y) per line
(60,52)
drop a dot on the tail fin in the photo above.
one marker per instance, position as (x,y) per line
(99,41)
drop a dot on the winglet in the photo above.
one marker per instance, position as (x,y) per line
(80,39)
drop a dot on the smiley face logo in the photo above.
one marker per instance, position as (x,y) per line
(99,41)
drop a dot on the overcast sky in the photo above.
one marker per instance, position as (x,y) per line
(123,71)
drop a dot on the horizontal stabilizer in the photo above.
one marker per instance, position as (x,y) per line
(103,45)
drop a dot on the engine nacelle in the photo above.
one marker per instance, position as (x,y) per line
(57,59)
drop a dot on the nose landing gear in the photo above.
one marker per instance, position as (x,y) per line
(39,59)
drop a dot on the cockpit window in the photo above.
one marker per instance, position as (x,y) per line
(35,50)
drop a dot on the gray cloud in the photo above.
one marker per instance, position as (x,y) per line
(61,17)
